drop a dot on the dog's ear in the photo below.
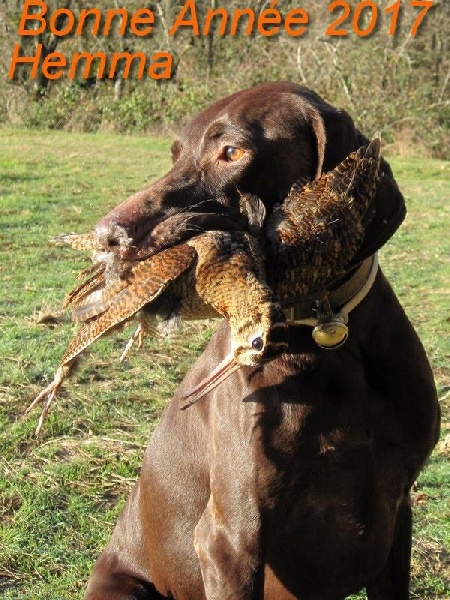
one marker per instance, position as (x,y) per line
(390,210)
(318,128)
(342,137)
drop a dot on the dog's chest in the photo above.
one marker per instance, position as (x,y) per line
(319,465)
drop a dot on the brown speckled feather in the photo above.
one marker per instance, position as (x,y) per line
(229,271)
(144,283)
(224,260)
(318,229)
(94,279)
(228,264)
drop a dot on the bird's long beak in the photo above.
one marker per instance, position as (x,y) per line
(223,370)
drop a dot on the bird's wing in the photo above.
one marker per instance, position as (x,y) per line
(94,280)
(146,282)
(230,271)
(318,229)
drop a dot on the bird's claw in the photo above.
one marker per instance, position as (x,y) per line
(48,394)
(138,336)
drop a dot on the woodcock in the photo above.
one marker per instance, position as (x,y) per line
(312,238)
(318,229)
(216,273)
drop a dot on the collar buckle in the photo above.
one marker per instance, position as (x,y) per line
(331,311)
(331,330)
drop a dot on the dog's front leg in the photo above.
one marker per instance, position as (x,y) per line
(228,535)
(229,553)
(393,582)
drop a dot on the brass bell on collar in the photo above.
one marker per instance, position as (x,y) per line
(330,332)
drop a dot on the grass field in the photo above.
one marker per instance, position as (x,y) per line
(59,498)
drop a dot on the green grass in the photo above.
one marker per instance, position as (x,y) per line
(59,499)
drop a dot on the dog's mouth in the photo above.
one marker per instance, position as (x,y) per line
(145,238)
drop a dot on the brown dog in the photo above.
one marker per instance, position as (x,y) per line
(290,480)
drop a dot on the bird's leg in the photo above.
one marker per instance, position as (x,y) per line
(139,335)
(47,395)
(145,327)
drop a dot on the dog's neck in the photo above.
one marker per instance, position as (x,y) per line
(328,314)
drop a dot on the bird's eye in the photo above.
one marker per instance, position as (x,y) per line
(258,344)
(232,154)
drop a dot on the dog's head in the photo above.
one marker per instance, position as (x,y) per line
(258,141)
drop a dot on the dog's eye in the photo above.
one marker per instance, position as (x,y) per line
(232,154)
(258,344)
